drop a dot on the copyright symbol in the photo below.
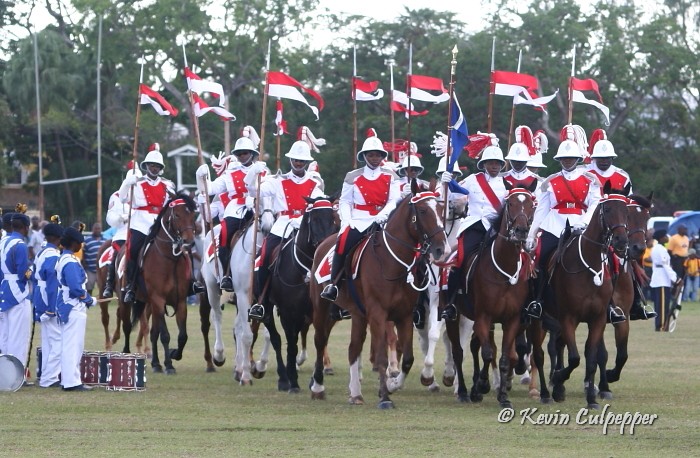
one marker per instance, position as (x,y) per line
(506,415)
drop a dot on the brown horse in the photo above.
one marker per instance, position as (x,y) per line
(498,288)
(582,289)
(383,290)
(104,306)
(167,271)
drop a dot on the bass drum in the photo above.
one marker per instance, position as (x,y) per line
(11,373)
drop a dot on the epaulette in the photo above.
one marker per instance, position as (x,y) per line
(390,171)
(593,177)
(545,183)
(350,176)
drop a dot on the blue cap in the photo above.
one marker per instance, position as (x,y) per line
(7,218)
(21,217)
(53,230)
(71,234)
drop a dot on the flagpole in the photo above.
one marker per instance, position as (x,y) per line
(99,122)
(453,71)
(491,86)
(257,187)
(391,111)
(512,111)
(134,158)
(408,93)
(571,102)
(206,210)
(353,153)
(38,126)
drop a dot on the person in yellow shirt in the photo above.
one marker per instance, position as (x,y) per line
(646,262)
(678,245)
(692,276)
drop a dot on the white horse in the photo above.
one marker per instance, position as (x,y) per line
(241,265)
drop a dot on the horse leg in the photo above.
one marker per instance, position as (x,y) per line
(216,318)
(276,341)
(379,327)
(405,336)
(493,364)
(322,329)
(156,327)
(243,335)
(508,360)
(452,329)
(303,355)
(292,327)
(181,320)
(622,332)
(568,336)
(358,334)
(124,311)
(428,337)
(602,361)
(595,335)
(391,342)
(205,325)
(104,312)
(536,335)
(483,333)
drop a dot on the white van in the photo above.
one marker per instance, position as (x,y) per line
(659,222)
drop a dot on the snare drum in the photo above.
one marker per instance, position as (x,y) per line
(90,367)
(11,373)
(126,372)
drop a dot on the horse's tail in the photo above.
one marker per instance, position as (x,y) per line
(136,312)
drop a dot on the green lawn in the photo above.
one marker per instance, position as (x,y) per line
(207,414)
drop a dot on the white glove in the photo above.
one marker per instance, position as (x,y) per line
(381,218)
(124,218)
(257,168)
(579,227)
(295,223)
(201,199)
(203,171)
(530,243)
(446,177)
(249,202)
(131,180)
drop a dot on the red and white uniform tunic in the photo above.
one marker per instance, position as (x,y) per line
(525,177)
(565,196)
(232,191)
(617,177)
(481,207)
(149,199)
(117,216)
(367,193)
(287,193)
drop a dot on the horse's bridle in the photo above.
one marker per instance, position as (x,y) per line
(175,236)
(510,222)
(609,230)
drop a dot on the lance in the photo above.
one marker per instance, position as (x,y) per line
(571,102)
(206,207)
(408,93)
(133,163)
(453,70)
(390,62)
(492,87)
(512,111)
(353,153)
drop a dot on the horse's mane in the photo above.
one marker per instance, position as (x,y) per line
(644,202)
(189,202)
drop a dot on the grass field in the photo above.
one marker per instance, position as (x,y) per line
(195,413)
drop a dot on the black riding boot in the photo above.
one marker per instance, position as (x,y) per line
(534,308)
(615,314)
(224,256)
(257,310)
(449,312)
(108,290)
(130,288)
(638,311)
(330,292)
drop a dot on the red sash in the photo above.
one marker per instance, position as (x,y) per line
(488,192)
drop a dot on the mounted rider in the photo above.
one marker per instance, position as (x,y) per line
(233,191)
(288,192)
(117,217)
(602,155)
(409,169)
(486,194)
(150,194)
(518,156)
(368,196)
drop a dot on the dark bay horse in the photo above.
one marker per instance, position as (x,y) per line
(582,289)
(289,282)
(497,290)
(166,271)
(101,279)
(383,290)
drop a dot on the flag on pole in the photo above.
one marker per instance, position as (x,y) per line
(577,86)
(399,103)
(162,107)
(284,86)
(279,120)
(459,132)
(526,99)
(512,84)
(198,86)
(201,108)
(364,91)
(420,85)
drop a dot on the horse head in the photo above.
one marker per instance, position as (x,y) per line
(319,219)
(612,209)
(638,213)
(178,219)
(426,224)
(518,211)
(267,214)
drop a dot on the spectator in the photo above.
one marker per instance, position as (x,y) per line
(678,245)
(646,262)
(80,227)
(92,245)
(36,237)
(663,278)
(692,276)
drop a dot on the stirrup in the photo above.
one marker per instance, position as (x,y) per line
(129,295)
(641,312)
(449,313)
(226,284)
(534,310)
(330,292)
(198,287)
(616,315)
(339,314)
(419,317)
(108,291)
(257,312)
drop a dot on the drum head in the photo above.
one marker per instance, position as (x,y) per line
(11,373)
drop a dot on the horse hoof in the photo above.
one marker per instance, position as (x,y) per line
(434,388)
(176,354)
(385,405)
(426,381)
(318,396)
(294,390)
(534,393)
(328,371)
(525,381)
(170,371)
(394,374)
(219,363)
(256,373)
(357,401)
(211,369)
(237,376)
(611,376)
(593,406)
(158,369)
(246,383)
(506,405)
(606,395)
(448,380)
(546,400)
(484,387)
(283,386)
(463,398)
(521,367)
(476,397)
(559,393)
